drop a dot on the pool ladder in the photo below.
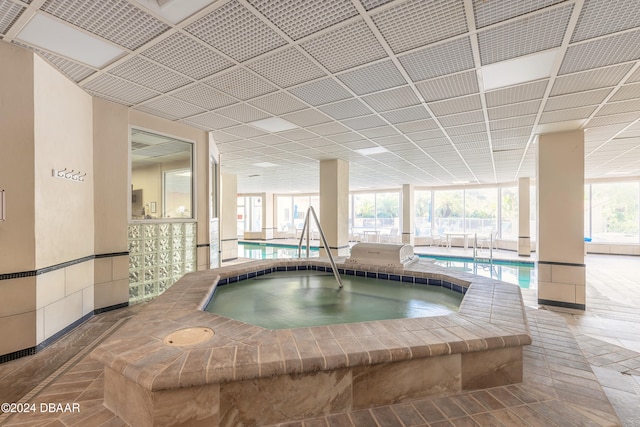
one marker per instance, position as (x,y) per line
(306,228)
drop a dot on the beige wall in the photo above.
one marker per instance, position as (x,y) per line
(17,234)
(63,129)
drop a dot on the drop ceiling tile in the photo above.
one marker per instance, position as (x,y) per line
(235,31)
(299,18)
(456,105)
(373,78)
(514,110)
(321,92)
(427,135)
(598,18)
(566,114)
(515,122)
(307,118)
(146,73)
(470,117)
(379,132)
(534,33)
(224,137)
(449,86)
(173,107)
(327,129)
(345,47)
(514,94)
(628,106)
(601,52)
(73,70)
(240,83)
(118,90)
(213,121)
(243,113)
(115,20)
(630,91)
(439,60)
(404,115)
(204,96)
(417,125)
(492,12)
(244,131)
(466,129)
(345,137)
(346,109)
(365,122)
(287,68)
(278,103)
(392,99)
(297,135)
(187,56)
(624,119)
(588,80)
(9,13)
(270,140)
(574,100)
(403,26)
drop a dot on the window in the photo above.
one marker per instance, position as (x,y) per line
(481,210)
(448,211)
(614,212)
(422,204)
(249,214)
(161,177)
(509,225)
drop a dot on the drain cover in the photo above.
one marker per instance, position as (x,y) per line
(188,336)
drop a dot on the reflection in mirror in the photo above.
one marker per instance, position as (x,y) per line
(161,176)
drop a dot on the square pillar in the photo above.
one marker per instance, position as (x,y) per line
(560,192)
(524,228)
(228,217)
(267,216)
(408,215)
(334,205)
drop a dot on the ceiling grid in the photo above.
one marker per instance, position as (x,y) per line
(406,75)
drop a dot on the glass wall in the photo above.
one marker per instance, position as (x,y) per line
(249,214)
(448,211)
(422,221)
(509,213)
(614,212)
(481,210)
(291,211)
(375,216)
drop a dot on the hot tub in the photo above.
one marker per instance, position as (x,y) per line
(245,374)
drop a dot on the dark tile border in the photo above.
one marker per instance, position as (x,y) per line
(562,304)
(31,273)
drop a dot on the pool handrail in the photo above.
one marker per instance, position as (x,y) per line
(305,229)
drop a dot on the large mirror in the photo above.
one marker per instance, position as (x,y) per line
(161,176)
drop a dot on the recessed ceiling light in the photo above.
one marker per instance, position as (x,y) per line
(518,70)
(273,124)
(264,164)
(65,40)
(371,150)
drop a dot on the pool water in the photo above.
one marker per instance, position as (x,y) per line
(301,299)
(518,273)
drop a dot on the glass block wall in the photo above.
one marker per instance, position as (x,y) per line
(159,255)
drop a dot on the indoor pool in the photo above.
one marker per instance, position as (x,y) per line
(519,273)
(310,298)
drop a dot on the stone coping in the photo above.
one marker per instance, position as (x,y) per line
(491,316)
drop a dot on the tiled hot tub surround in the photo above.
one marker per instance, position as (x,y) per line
(251,375)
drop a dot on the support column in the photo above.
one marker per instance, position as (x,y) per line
(408,215)
(334,205)
(228,217)
(267,216)
(524,227)
(560,191)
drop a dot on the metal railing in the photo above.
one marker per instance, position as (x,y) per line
(306,228)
